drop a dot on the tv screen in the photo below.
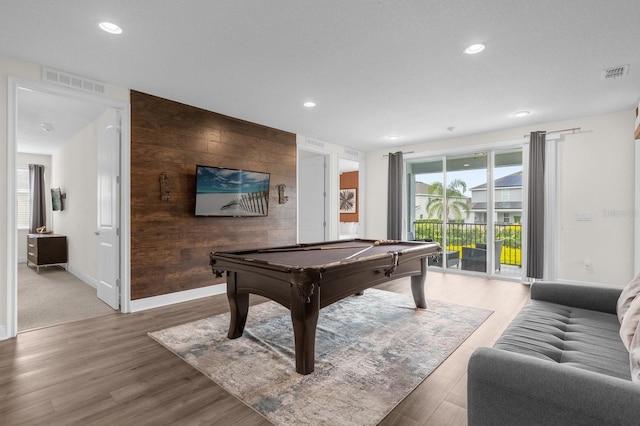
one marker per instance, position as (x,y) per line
(231,192)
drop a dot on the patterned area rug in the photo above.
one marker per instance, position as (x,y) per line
(371,352)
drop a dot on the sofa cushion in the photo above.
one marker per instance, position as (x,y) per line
(572,336)
(628,295)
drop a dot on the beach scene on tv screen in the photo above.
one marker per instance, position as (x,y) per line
(229,192)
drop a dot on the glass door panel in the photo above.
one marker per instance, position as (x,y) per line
(507,207)
(425,213)
(466,229)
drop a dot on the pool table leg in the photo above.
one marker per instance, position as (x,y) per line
(238,305)
(417,285)
(304,315)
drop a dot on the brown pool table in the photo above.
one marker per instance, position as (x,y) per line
(307,277)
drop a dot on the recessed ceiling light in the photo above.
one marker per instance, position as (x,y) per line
(521,114)
(109,27)
(474,48)
(309,104)
(393,138)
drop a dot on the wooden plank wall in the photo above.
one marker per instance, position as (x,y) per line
(169,245)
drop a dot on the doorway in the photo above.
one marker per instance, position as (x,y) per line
(350,199)
(313,207)
(34,107)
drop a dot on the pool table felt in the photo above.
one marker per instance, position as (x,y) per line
(324,255)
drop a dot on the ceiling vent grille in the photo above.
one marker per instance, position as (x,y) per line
(615,72)
(76,82)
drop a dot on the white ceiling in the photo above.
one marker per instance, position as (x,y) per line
(374,68)
(64,117)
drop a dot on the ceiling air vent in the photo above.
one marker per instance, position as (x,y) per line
(615,72)
(76,82)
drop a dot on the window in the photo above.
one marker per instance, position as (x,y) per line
(467,200)
(22,197)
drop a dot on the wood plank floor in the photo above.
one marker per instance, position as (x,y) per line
(106,370)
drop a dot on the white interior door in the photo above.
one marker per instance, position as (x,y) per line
(108,208)
(312,197)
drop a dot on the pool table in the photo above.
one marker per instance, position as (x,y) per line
(307,277)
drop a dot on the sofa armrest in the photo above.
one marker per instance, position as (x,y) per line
(593,297)
(510,388)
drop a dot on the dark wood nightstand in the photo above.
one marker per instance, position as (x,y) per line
(46,250)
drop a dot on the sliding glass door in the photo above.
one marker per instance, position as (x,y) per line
(508,210)
(466,201)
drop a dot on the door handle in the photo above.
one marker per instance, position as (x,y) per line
(97,232)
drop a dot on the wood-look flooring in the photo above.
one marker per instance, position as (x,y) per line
(107,371)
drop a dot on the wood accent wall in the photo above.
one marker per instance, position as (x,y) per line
(169,245)
(350,180)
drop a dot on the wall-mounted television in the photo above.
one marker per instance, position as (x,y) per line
(231,192)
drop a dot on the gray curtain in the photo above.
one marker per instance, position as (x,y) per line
(394,197)
(37,211)
(535,235)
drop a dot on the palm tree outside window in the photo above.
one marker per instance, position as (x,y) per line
(457,205)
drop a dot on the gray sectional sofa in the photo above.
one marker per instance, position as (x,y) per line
(560,362)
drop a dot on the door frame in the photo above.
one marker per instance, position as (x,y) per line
(361,196)
(14,84)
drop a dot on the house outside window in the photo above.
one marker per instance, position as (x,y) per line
(22,198)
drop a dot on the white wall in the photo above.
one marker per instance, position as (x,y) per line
(23,160)
(596,175)
(75,172)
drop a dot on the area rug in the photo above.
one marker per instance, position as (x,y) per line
(371,352)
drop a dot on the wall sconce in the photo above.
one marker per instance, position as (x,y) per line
(165,193)
(281,197)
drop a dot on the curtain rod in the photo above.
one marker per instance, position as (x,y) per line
(572,130)
(403,152)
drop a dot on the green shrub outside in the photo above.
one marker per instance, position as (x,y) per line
(461,235)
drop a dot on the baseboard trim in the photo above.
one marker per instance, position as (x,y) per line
(83,277)
(178,297)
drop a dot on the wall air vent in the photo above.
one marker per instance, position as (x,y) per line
(76,82)
(314,142)
(615,72)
